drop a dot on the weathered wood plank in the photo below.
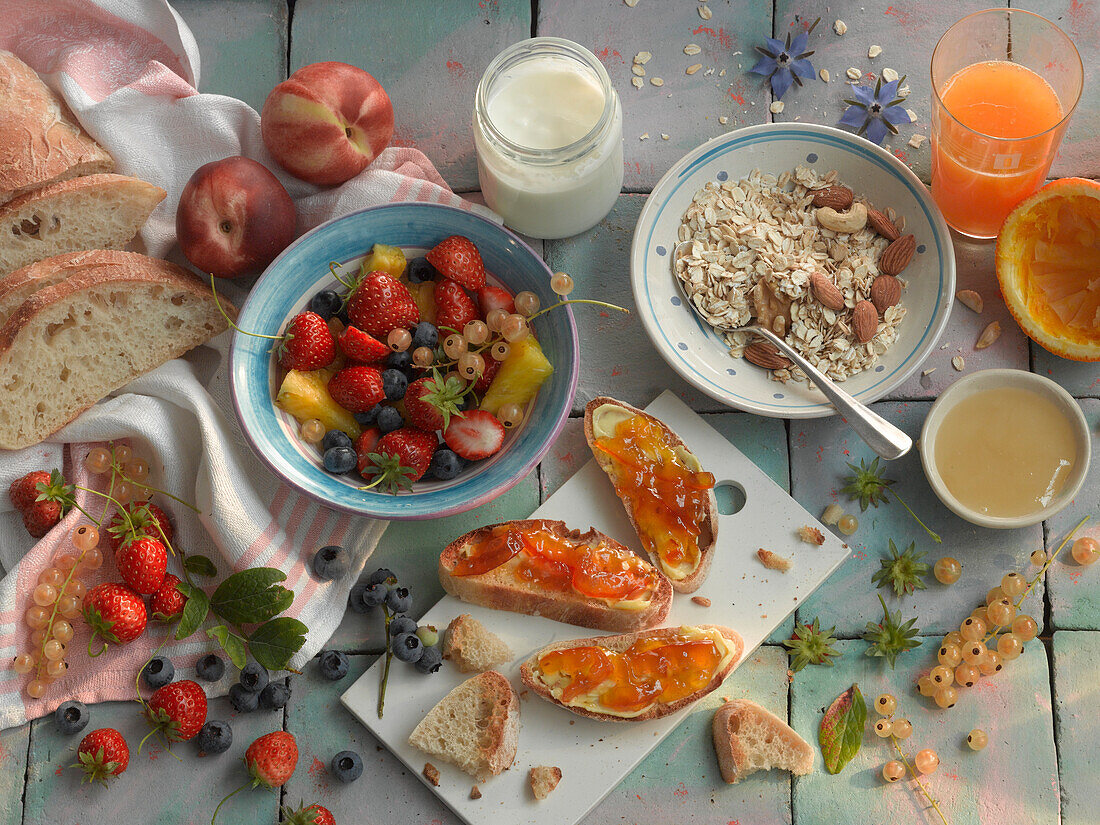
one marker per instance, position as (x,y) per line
(1077,723)
(14,744)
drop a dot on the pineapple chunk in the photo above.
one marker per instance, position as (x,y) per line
(424,295)
(305,395)
(519,378)
(384,258)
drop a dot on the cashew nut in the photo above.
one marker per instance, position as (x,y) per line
(843,223)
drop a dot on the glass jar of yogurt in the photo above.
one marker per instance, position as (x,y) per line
(548,129)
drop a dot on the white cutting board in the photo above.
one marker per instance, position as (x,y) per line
(595,756)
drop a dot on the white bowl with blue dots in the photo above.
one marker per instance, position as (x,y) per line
(698,353)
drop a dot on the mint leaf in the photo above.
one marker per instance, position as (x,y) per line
(841,731)
(231,643)
(251,596)
(194,611)
(274,643)
(200,566)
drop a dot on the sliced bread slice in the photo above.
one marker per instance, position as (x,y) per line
(475,726)
(472,646)
(543,779)
(40,141)
(749,738)
(92,212)
(70,344)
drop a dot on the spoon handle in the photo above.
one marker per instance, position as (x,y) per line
(879,434)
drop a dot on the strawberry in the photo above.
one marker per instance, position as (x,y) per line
(307,344)
(176,711)
(142,563)
(270,760)
(365,445)
(401,457)
(457,258)
(454,308)
(357,389)
(486,377)
(477,435)
(381,304)
(102,755)
(41,517)
(24,491)
(42,498)
(115,613)
(145,518)
(431,400)
(168,601)
(359,346)
(493,297)
(309,815)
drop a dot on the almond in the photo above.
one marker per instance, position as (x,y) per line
(837,197)
(897,255)
(885,292)
(864,321)
(971,300)
(765,354)
(990,334)
(826,292)
(882,224)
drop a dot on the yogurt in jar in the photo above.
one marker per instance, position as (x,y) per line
(548,134)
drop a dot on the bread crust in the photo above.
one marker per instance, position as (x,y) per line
(141,188)
(570,608)
(727,746)
(621,643)
(708,535)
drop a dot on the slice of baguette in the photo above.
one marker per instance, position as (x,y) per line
(501,591)
(40,142)
(70,344)
(475,726)
(529,672)
(749,738)
(708,535)
(92,212)
(472,647)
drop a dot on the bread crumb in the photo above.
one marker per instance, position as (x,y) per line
(912,117)
(916,141)
(431,773)
(475,791)
(702,601)
(832,514)
(543,780)
(927,372)
(723,119)
(874,52)
(643,136)
(773,561)
(839,26)
(664,136)
(776,107)
(811,535)
(903,91)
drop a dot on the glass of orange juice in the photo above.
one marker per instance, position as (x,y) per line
(1004,84)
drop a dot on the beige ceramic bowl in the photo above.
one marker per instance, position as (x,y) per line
(995,379)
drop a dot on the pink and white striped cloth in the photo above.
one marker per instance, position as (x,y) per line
(129,70)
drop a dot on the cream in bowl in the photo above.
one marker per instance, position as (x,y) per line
(1005,448)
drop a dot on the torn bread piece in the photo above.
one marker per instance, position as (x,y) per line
(749,738)
(543,780)
(473,647)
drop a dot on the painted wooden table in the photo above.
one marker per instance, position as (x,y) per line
(1042,714)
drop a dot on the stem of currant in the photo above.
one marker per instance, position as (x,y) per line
(913,773)
(563,302)
(935,536)
(228,320)
(386,669)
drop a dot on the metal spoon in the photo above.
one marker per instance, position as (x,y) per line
(879,434)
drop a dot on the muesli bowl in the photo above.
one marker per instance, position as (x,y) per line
(701,355)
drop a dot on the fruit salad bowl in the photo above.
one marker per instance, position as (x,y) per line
(287,288)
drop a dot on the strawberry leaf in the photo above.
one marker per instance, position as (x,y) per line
(231,643)
(194,610)
(200,566)
(841,731)
(273,643)
(251,596)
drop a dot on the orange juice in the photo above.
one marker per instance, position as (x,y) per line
(993,145)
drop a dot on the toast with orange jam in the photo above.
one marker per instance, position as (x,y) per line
(541,567)
(635,676)
(667,495)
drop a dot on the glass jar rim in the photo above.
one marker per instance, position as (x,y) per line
(1022,12)
(525,50)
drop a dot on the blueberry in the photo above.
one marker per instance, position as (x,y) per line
(430,660)
(274,696)
(211,667)
(336,438)
(243,699)
(425,335)
(401,624)
(330,562)
(342,315)
(71,717)
(445,465)
(419,269)
(394,384)
(347,766)
(355,598)
(389,419)
(158,672)
(398,600)
(325,303)
(340,460)
(398,361)
(374,595)
(367,419)
(254,677)
(334,664)
(215,737)
(407,647)
(381,576)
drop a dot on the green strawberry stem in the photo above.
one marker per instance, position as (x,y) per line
(332,267)
(141,701)
(916,778)
(232,324)
(226,799)
(386,669)
(563,302)
(935,536)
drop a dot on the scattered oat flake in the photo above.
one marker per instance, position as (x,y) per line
(723,119)
(693,68)
(903,91)
(776,107)
(664,136)
(692,48)
(632,4)
(917,141)
(912,115)
(854,73)
(874,51)
(723,72)
(958,363)
(638,69)
(656,81)
(840,27)
(927,372)
(971,300)
(431,773)
(643,136)
(889,75)
(773,561)
(705,12)
(811,535)
(643,57)
(637,82)
(990,334)
(702,601)
(824,74)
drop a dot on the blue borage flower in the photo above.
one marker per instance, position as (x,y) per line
(875,114)
(785,64)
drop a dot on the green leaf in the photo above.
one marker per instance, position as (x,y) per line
(841,731)
(194,611)
(231,643)
(273,643)
(251,596)
(200,566)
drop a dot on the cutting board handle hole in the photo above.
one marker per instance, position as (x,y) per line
(729,496)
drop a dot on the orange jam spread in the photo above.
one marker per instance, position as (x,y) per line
(551,562)
(655,669)
(668,497)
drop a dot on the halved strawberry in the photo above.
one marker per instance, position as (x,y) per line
(493,297)
(454,308)
(401,458)
(359,346)
(478,434)
(457,258)
(431,400)
(357,389)
(307,343)
(381,304)
(365,444)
